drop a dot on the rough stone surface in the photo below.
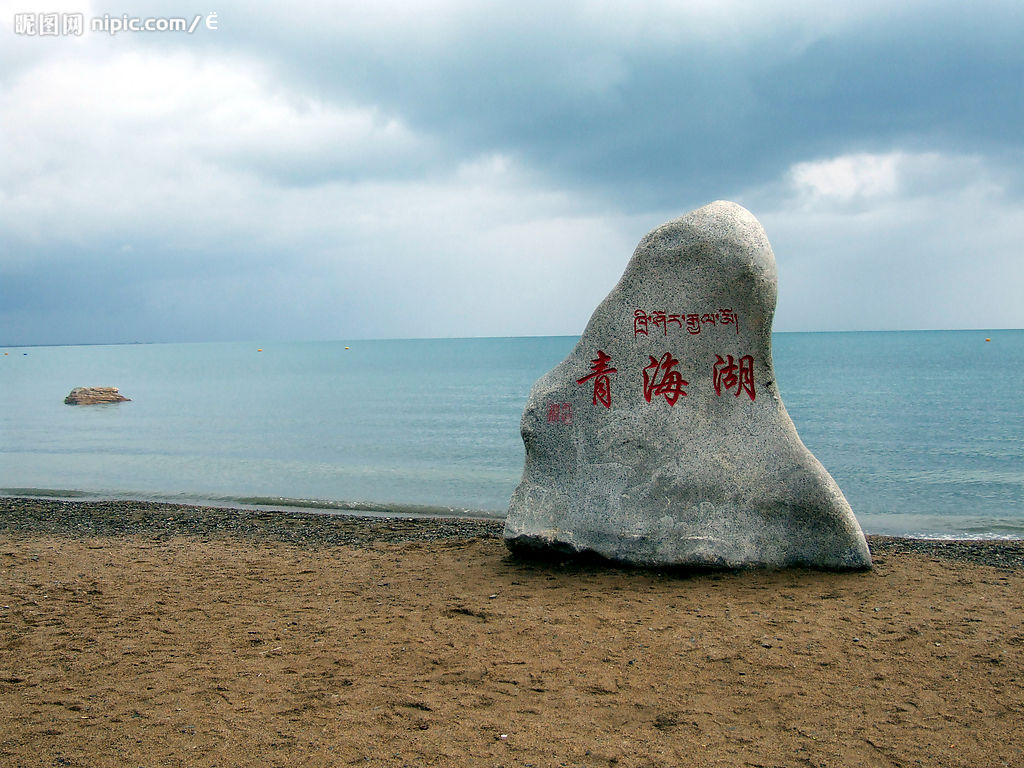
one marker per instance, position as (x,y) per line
(94,395)
(688,460)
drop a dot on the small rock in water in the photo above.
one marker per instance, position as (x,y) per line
(662,440)
(94,395)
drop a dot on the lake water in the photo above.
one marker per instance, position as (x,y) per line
(923,431)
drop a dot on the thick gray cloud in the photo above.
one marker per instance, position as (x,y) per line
(458,167)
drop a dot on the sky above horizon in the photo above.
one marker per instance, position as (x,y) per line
(342,170)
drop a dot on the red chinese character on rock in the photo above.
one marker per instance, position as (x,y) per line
(560,413)
(728,375)
(671,384)
(602,384)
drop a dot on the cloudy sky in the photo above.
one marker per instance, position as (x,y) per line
(343,170)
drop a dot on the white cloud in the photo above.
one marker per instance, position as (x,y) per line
(848,177)
(181,176)
(895,240)
(868,180)
(164,141)
(394,169)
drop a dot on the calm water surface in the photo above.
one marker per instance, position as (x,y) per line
(923,431)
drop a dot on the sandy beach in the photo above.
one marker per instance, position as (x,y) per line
(136,634)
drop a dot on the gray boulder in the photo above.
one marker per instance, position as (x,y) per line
(661,440)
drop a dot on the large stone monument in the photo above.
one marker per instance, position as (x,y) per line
(661,440)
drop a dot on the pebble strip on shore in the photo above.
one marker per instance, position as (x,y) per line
(20,515)
(162,521)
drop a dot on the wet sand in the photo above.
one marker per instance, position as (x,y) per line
(152,635)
